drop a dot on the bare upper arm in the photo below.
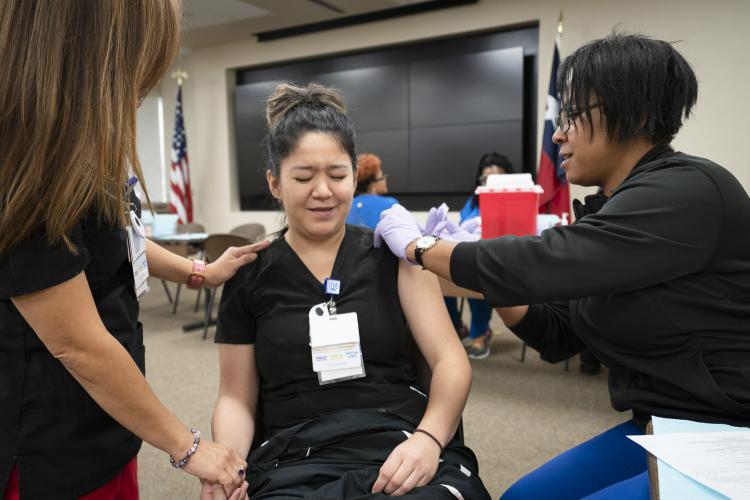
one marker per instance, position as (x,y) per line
(428,319)
(64,316)
(238,374)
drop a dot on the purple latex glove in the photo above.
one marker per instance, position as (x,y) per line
(473,225)
(453,232)
(398,228)
(437,217)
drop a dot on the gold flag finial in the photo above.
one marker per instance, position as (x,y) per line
(180,75)
(560,24)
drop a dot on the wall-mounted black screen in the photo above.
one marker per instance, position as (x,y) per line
(428,110)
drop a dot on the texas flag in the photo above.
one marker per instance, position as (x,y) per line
(549,175)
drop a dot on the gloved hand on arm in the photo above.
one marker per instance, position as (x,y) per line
(398,228)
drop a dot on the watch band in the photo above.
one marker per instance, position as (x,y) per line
(197,276)
(419,250)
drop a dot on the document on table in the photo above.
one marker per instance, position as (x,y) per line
(719,460)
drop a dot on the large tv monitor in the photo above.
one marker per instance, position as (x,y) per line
(429,110)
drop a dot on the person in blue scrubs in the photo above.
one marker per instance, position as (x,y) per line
(372,186)
(478,338)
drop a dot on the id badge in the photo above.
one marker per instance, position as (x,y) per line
(334,345)
(137,255)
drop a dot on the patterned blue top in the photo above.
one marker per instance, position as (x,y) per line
(468,212)
(366,209)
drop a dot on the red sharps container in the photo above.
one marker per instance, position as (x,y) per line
(508,204)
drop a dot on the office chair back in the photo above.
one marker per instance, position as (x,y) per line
(190,227)
(217,244)
(252,232)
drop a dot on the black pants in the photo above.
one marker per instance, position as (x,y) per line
(338,456)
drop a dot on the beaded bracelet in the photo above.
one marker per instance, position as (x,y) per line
(437,442)
(179,464)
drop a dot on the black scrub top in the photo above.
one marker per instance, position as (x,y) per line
(267,304)
(63,443)
(655,281)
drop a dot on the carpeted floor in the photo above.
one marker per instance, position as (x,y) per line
(518,416)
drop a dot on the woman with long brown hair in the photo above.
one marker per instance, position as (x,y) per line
(75,404)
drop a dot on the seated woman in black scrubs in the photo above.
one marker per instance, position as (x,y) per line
(372,431)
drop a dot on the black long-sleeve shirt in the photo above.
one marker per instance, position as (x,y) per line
(656,283)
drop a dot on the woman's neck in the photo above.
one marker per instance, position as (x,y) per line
(307,245)
(629,156)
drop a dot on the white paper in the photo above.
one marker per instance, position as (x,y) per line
(719,460)
(674,485)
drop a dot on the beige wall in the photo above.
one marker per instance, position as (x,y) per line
(712,35)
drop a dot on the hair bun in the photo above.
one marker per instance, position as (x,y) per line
(287,96)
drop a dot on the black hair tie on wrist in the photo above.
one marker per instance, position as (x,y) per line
(437,442)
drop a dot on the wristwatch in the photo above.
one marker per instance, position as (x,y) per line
(423,244)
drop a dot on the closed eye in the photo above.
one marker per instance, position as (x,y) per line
(303,179)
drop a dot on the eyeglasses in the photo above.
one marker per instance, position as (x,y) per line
(568,115)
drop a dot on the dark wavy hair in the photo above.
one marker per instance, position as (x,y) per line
(644,87)
(292,111)
(489,160)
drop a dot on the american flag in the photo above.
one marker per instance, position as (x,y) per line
(180,199)
(556,196)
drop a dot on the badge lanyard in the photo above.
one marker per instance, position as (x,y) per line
(136,238)
(332,289)
(334,340)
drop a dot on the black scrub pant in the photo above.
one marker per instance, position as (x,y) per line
(338,456)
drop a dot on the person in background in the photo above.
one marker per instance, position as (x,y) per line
(74,404)
(653,277)
(478,338)
(372,186)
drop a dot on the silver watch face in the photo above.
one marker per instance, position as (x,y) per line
(426,242)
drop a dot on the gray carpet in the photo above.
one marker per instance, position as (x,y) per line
(518,416)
